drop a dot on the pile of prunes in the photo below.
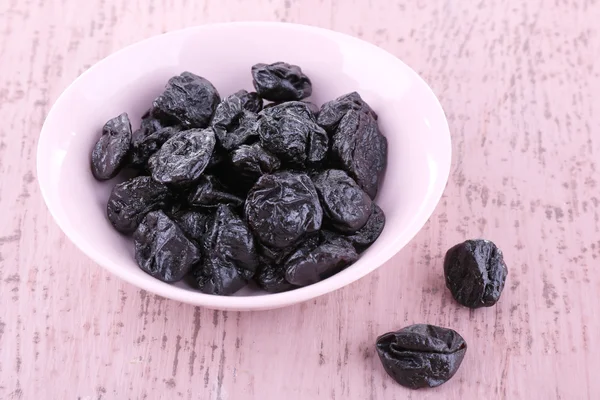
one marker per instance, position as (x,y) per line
(261,186)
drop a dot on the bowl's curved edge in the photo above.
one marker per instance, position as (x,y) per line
(267,301)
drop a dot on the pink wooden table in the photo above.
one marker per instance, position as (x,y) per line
(518,84)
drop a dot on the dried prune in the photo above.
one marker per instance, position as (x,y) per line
(230,258)
(280,82)
(110,151)
(291,134)
(210,193)
(252,161)
(251,101)
(475,273)
(193,223)
(233,123)
(144,146)
(332,112)
(420,355)
(361,149)
(305,108)
(346,205)
(188,100)
(271,278)
(369,233)
(282,207)
(131,200)
(182,159)
(162,249)
(309,265)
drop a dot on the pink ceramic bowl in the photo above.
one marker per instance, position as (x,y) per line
(127,81)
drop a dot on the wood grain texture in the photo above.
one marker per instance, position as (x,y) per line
(519,85)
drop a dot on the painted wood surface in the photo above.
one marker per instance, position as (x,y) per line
(518,82)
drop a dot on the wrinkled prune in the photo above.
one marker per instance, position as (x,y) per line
(271,278)
(251,101)
(282,207)
(111,149)
(230,258)
(305,108)
(475,273)
(233,123)
(144,146)
(281,82)
(420,356)
(162,249)
(346,205)
(252,161)
(369,233)
(193,223)
(182,159)
(309,265)
(188,100)
(332,112)
(131,200)
(291,134)
(361,149)
(211,193)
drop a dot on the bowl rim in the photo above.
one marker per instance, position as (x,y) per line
(268,300)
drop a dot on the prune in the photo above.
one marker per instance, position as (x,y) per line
(251,101)
(282,207)
(309,265)
(277,256)
(252,161)
(230,258)
(144,146)
(361,149)
(306,108)
(332,112)
(188,100)
(162,249)
(346,205)
(211,193)
(233,124)
(271,278)
(131,200)
(182,159)
(193,223)
(369,233)
(280,82)
(291,134)
(475,273)
(110,151)
(420,356)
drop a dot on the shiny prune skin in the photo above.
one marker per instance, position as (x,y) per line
(332,112)
(252,161)
(210,192)
(361,149)
(306,109)
(131,200)
(110,151)
(271,278)
(369,233)
(283,207)
(291,134)
(182,159)
(346,205)
(421,356)
(188,100)
(193,223)
(143,146)
(162,250)
(475,273)
(233,123)
(230,257)
(308,264)
(280,82)
(251,101)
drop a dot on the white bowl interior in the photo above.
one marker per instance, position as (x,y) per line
(409,116)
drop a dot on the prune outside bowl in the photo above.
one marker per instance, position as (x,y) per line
(410,117)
